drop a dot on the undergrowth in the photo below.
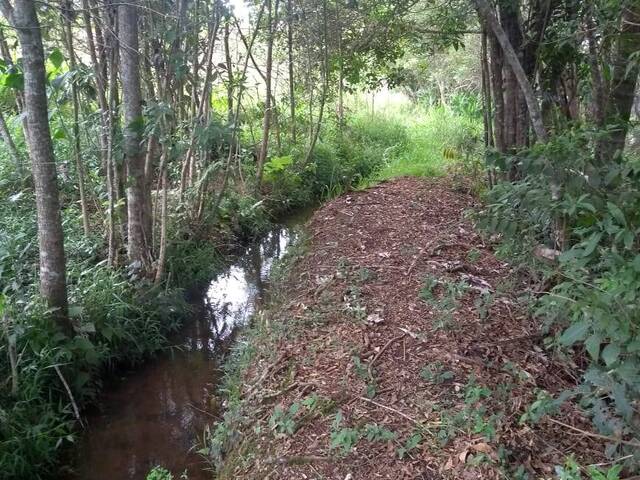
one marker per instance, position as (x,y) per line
(589,300)
(122,321)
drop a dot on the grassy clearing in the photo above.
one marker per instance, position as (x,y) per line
(434,139)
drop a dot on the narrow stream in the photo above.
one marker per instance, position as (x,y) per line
(155,414)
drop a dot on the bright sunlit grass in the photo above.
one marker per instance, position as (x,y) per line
(429,133)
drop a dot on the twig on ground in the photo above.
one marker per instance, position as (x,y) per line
(298,460)
(374,359)
(76,410)
(595,435)
(279,392)
(255,386)
(397,412)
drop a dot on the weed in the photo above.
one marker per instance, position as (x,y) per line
(473,255)
(375,433)
(435,373)
(343,438)
(410,444)
(444,296)
(161,473)
(283,421)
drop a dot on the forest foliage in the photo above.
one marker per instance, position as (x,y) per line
(138,139)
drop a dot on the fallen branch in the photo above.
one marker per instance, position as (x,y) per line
(298,460)
(264,375)
(374,359)
(397,412)
(595,435)
(76,410)
(279,392)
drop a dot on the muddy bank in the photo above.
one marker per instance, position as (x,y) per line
(397,348)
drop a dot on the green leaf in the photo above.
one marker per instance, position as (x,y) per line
(137,125)
(616,213)
(574,333)
(591,244)
(611,353)
(619,393)
(56,58)
(592,344)
(59,134)
(14,80)
(628,239)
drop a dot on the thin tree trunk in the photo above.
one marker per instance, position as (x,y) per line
(112,169)
(186,166)
(495,77)
(487,107)
(535,115)
(234,132)
(67,10)
(272,20)
(137,247)
(623,84)
(53,285)
(292,92)
(162,255)
(340,70)
(325,87)
(227,56)
(11,146)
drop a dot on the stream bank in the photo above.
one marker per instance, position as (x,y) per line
(157,413)
(397,347)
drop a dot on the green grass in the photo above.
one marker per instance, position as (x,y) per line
(435,138)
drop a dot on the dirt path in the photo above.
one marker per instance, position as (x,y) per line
(398,349)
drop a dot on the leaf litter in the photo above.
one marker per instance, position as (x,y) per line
(401,322)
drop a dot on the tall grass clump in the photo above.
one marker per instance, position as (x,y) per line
(436,137)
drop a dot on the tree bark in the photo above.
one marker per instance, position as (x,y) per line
(11,146)
(53,285)
(137,238)
(535,115)
(67,9)
(623,84)
(292,92)
(272,20)
(227,55)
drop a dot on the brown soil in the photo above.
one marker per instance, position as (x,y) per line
(458,364)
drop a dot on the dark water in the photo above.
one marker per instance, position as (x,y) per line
(156,414)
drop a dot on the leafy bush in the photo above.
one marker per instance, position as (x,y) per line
(593,303)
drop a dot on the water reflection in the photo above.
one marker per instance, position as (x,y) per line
(155,414)
(234,295)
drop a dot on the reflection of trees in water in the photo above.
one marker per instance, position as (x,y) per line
(239,289)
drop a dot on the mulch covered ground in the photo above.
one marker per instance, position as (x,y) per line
(400,320)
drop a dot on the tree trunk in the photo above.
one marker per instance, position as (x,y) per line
(137,238)
(50,235)
(67,10)
(11,146)
(486,13)
(623,84)
(292,93)
(497,91)
(162,255)
(227,56)
(272,20)
(599,100)
(325,86)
